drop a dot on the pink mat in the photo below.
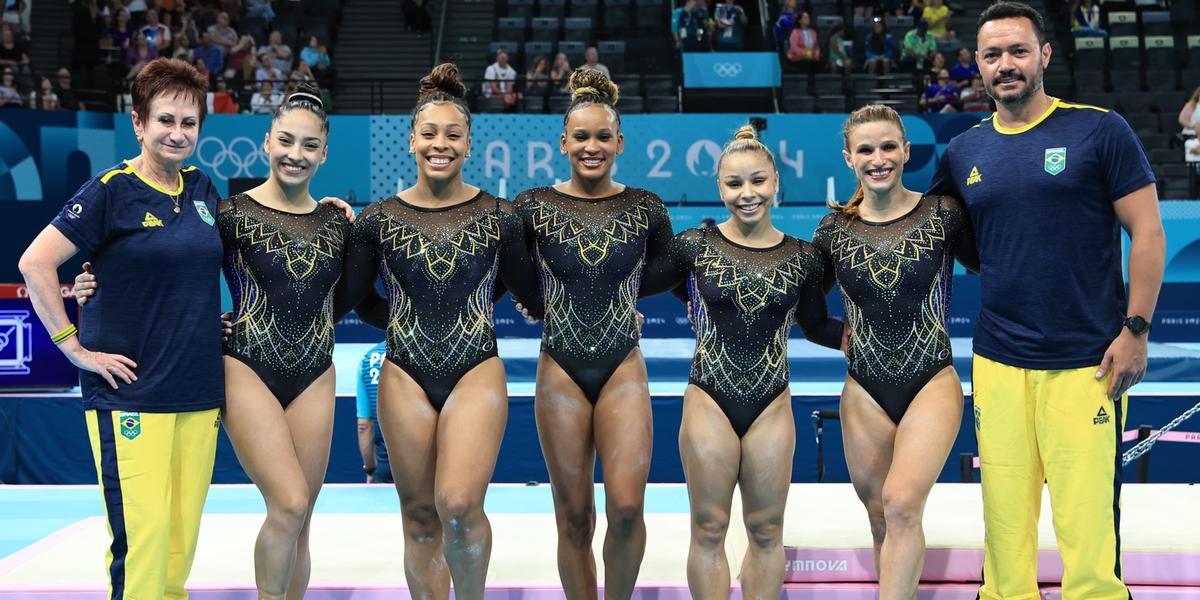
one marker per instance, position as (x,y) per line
(815,565)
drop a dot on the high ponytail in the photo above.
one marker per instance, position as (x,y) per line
(870,113)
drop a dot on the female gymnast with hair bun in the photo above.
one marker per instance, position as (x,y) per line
(591,238)
(445,251)
(746,283)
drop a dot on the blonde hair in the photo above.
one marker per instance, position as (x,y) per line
(1195,96)
(746,140)
(870,113)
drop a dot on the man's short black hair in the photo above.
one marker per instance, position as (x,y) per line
(1013,10)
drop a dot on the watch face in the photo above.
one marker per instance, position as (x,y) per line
(1136,324)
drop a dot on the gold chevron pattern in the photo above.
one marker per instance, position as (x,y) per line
(442,251)
(752,286)
(299,255)
(591,240)
(884,263)
(714,364)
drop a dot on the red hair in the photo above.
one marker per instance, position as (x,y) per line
(168,77)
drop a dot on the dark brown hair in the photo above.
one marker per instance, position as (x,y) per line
(442,85)
(168,77)
(306,96)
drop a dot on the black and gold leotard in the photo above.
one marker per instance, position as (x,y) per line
(895,278)
(743,302)
(440,268)
(282,269)
(589,255)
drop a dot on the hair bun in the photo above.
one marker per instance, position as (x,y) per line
(587,83)
(746,132)
(443,78)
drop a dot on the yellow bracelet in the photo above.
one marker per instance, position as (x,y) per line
(62,336)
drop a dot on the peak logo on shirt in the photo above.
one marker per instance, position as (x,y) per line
(151,221)
(1056,160)
(974,177)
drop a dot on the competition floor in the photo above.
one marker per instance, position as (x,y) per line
(357,543)
(52,538)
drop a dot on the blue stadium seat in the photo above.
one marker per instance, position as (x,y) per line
(617,14)
(520,8)
(1156,22)
(651,14)
(1161,62)
(589,9)
(612,54)
(544,29)
(577,29)
(552,8)
(511,28)
(574,51)
(1089,64)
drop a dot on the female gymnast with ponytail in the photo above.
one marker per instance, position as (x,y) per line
(591,237)
(746,284)
(892,251)
(444,250)
(284,254)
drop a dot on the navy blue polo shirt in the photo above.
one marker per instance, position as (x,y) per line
(159,295)
(1041,199)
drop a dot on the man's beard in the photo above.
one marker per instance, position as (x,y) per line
(1020,98)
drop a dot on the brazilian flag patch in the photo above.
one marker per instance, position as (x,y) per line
(1056,160)
(202,210)
(131,425)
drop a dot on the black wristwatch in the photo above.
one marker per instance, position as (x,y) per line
(1137,325)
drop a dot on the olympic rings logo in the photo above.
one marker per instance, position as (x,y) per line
(237,159)
(726,69)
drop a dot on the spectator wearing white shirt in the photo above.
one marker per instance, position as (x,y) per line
(500,80)
(264,101)
(591,58)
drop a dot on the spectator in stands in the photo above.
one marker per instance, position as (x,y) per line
(916,8)
(918,48)
(804,46)
(137,12)
(202,68)
(788,17)
(62,89)
(241,52)
(260,9)
(591,60)
(183,50)
(187,27)
(940,96)
(157,34)
(731,21)
(87,25)
(139,55)
(937,14)
(416,16)
(689,26)
(1085,19)
(44,98)
(265,99)
(266,70)
(223,35)
(500,81)
(863,8)
(975,98)
(560,74)
(210,54)
(13,11)
(839,60)
(315,56)
(1189,115)
(538,77)
(880,49)
(302,72)
(119,32)
(11,54)
(963,70)
(9,96)
(935,66)
(279,52)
